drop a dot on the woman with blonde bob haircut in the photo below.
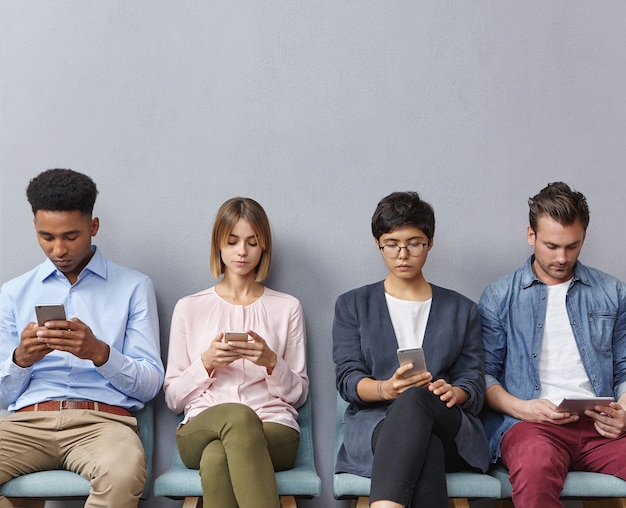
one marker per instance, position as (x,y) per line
(237,367)
(227,216)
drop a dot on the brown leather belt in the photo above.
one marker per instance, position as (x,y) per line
(63,405)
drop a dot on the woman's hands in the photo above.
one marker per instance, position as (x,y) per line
(390,389)
(451,395)
(256,350)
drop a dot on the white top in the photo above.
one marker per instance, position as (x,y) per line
(561,368)
(409,320)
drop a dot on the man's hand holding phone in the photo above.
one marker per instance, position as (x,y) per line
(32,348)
(55,333)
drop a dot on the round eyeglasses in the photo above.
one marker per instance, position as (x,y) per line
(391,250)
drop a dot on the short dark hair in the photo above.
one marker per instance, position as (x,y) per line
(559,202)
(401,209)
(62,190)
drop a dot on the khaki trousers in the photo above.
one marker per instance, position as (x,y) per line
(237,455)
(103,448)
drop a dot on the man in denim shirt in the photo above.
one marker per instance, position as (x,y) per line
(551,329)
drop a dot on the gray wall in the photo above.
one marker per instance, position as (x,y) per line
(317,109)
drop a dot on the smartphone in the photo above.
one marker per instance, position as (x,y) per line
(414,355)
(231,336)
(49,312)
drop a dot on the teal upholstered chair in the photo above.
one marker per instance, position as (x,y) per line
(462,486)
(302,480)
(596,490)
(62,484)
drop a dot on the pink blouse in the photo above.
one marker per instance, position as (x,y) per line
(196,322)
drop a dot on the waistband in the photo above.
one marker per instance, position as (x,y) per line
(64,405)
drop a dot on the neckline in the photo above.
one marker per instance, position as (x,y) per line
(225,300)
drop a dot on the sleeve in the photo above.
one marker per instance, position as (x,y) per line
(13,379)
(350,364)
(619,343)
(289,380)
(185,380)
(137,370)
(468,369)
(493,336)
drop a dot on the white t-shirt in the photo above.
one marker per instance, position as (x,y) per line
(409,320)
(561,369)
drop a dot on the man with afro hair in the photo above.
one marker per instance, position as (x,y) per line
(71,383)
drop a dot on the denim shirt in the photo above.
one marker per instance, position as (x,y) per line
(513,313)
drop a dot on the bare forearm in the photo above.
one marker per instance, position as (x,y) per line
(371,390)
(500,400)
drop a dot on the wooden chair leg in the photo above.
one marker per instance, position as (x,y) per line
(458,502)
(615,502)
(192,502)
(361,502)
(288,502)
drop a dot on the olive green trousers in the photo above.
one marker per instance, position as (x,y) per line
(237,455)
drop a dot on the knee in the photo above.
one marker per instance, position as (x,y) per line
(241,414)
(413,399)
(415,394)
(536,458)
(242,419)
(124,476)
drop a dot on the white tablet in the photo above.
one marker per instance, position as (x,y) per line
(578,405)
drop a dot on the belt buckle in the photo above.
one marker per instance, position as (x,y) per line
(66,403)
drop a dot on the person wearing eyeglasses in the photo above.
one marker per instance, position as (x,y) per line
(402,430)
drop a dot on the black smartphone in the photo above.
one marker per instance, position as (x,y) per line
(49,312)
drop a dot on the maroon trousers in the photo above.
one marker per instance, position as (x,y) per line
(539,455)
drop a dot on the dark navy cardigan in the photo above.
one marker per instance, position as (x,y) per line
(364,345)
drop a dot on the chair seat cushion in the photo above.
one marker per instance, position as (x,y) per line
(47,485)
(578,484)
(461,484)
(180,482)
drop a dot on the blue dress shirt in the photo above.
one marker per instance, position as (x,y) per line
(119,306)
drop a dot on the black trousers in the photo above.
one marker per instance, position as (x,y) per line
(413,448)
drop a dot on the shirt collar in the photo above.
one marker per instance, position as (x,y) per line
(529,278)
(96,265)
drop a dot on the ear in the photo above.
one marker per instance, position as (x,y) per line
(95,225)
(531,236)
(431,242)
